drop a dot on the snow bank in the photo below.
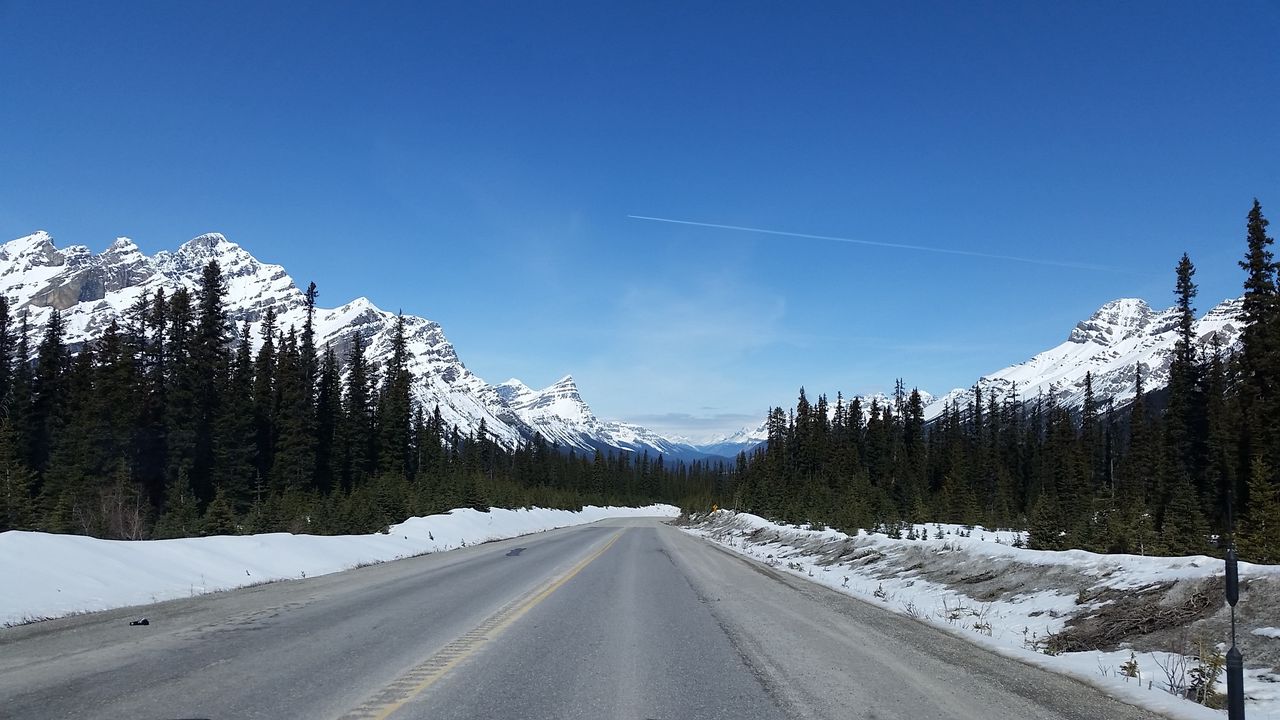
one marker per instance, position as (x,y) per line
(44,575)
(904,576)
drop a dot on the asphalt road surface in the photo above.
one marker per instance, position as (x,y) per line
(626,619)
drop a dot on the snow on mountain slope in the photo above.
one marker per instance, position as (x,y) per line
(557,412)
(93,290)
(882,400)
(743,440)
(1121,337)
(560,415)
(638,438)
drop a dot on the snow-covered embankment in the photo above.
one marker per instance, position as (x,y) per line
(1130,625)
(44,575)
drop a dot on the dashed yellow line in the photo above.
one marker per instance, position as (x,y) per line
(422,676)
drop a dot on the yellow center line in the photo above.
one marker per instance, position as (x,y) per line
(427,673)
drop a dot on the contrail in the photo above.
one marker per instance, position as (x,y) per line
(900,246)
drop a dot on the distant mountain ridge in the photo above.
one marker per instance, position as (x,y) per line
(1112,344)
(91,290)
(561,416)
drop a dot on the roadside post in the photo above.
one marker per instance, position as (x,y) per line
(1235,663)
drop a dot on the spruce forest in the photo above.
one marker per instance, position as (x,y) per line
(173,425)
(1137,479)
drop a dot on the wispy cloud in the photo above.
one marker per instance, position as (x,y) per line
(877,243)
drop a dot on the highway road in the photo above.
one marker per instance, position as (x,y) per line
(627,619)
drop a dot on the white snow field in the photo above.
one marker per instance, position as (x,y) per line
(43,575)
(934,581)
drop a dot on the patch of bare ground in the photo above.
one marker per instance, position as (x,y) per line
(1116,616)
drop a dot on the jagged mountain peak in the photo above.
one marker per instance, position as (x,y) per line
(560,416)
(1115,322)
(1111,346)
(206,241)
(232,258)
(38,241)
(565,385)
(358,311)
(514,392)
(561,400)
(123,246)
(21,255)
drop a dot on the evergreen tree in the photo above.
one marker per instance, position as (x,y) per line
(8,350)
(17,506)
(1220,442)
(1183,530)
(48,392)
(307,344)
(117,402)
(181,517)
(395,411)
(70,479)
(357,425)
(181,387)
(264,396)
(17,404)
(293,466)
(1048,527)
(235,441)
(219,518)
(1260,340)
(151,324)
(1137,484)
(1259,536)
(1184,416)
(328,419)
(210,362)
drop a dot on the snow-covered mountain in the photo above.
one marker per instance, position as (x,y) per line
(743,440)
(560,415)
(92,290)
(1112,344)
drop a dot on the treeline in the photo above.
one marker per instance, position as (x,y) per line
(171,425)
(1101,478)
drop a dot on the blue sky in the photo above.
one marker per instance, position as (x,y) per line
(475,163)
